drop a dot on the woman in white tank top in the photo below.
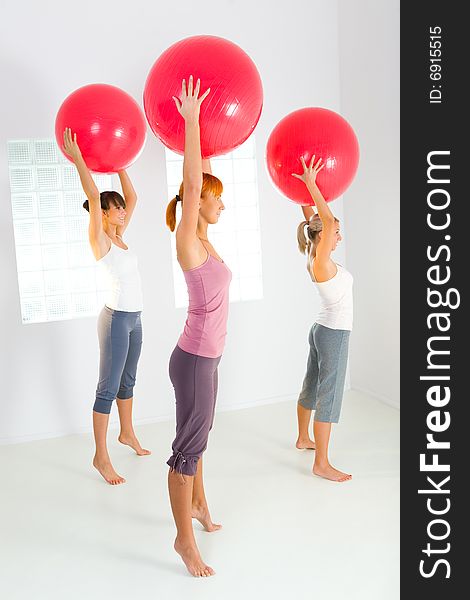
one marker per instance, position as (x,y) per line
(119,324)
(323,384)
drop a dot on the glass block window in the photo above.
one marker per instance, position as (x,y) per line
(57,273)
(236,236)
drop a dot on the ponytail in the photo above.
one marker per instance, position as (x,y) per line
(302,241)
(308,243)
(171,214)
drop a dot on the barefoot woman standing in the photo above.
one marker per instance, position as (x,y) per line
(194,362)
(323,384)
(119,324)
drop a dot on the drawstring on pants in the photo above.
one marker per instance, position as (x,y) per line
(178,463)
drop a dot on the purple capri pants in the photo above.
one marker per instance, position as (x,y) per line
(195,381)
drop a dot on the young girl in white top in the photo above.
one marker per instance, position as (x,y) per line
(323,385)
(119,324)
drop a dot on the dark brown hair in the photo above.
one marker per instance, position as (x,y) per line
(108,199)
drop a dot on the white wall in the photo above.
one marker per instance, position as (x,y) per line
(48,49)
(369,73)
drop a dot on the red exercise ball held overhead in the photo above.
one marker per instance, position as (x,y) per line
(307,132)
(231,111)
(109,124)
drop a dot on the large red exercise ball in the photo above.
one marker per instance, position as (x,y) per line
(305,132)
(231,111)
(109,124)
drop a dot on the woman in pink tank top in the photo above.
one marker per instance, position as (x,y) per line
(194,361)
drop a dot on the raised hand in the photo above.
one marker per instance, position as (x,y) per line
(189,105)
(71,146)
(309,175)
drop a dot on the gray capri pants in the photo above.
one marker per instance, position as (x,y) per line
(323,386)
(120,337)
(195,381)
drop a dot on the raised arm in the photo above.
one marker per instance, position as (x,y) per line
(189,108)
(324,247)
(98,241)
(130,198)
(308,212)
(206,166)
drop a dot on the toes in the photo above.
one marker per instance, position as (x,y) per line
(194,571)
(143,452)
(203,571)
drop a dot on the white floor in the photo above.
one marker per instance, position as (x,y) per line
(66,534)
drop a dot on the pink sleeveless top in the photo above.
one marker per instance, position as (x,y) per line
(206,325)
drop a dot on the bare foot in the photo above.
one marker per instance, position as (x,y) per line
(192,559)
(105,468)
(305,444)
(201,513)
(133,442)
(329,472)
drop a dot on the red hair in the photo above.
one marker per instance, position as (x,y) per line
(210,185)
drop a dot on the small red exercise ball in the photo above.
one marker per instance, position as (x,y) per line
(109,124)
(231,111)
(305,132)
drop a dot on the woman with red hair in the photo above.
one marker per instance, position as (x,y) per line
(194,361)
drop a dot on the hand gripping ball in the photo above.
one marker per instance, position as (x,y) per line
(109,124)
(305,132)
(231,111)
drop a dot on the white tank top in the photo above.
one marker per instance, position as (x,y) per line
(122,279)
(336,311)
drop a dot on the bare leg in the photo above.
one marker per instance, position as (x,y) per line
(127,435)
(101,460)
(303,440)
(321,466)
(199,509)
(180,488)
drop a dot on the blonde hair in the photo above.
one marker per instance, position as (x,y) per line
(210,185)
(308,243)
